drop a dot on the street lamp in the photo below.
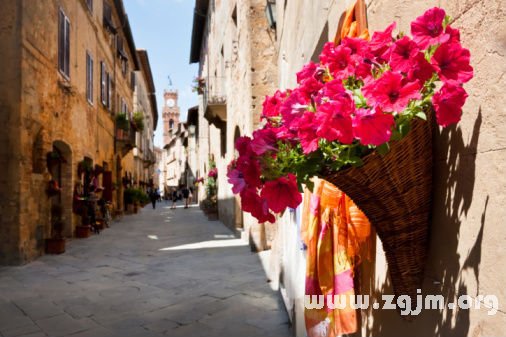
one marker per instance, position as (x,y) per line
(191,129)
(270,13)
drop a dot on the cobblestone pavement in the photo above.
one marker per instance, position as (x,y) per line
(161,272)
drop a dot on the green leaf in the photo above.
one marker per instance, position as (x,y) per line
(310,185)
(421,115)
(404,129)
(383,149)
(356,161)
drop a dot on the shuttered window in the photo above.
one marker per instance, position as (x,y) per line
(64,44)
(89,77)
(103,84)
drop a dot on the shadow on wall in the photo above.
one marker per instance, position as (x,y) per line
(454,180)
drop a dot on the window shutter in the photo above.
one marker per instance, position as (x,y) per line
(61,42)
(103,82)
(109,91)
(67,47)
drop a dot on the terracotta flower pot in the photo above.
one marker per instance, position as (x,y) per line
(55,246)
(83,232)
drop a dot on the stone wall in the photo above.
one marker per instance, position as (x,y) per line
(467,234)
(46,110)
(239,58)
(10,34)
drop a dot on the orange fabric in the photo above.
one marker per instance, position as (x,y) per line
(354,23)
(335,232)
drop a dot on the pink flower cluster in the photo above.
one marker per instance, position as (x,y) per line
(355,95)
(213,173)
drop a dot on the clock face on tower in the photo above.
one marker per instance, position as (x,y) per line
(170,102)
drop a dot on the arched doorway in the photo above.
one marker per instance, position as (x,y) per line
(60,167)
(238,215)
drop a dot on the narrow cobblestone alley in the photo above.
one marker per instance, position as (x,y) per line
(162,272)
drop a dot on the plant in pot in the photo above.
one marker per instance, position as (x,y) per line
(56,244)
(79,207)
(122,125)
(129,199)
(361,119)
(138,120)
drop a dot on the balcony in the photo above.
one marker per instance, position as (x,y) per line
(215,101)
(125,140)
(149,158)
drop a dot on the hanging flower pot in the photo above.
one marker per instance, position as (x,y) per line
(361,119)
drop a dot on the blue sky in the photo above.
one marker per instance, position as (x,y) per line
(163,28)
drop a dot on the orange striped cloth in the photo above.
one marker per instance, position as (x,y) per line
(336,234)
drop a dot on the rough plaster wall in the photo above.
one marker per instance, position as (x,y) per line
(468,202)
(467,240)
(10,22)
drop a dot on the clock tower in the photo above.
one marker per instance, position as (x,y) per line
(170,115)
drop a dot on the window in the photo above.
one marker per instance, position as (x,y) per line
(103,84)
(132,80)
(109,91)
(107,19)
(124,66)
(89,77)
(89,3)
(64,44)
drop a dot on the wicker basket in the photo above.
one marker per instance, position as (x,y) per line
(394,192)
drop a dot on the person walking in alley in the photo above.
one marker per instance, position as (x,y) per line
(174,198)
(186,196)
(153,196)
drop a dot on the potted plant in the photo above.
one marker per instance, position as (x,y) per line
(199,84)
(361,119)
(122,125)
(210,208)
(138,120)
(56,244)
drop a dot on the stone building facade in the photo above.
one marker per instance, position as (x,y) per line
(145,103)
(174,153)
(235,48)
(68,70)
(467,230)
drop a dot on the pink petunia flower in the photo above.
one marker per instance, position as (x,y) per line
(372,126)
(293,107)
(448,103)
(402,55)
(250,169)
(236,178)
(308,71)
(381,41)
(243,146)
(427,29)
(334,119)
(390,93)
(258,207)
(272,103)
(337,59)
(454,34)
(420,70)
(452,63)
(282,193)
(263,140)
(307,133)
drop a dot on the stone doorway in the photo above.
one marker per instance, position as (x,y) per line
(61,171)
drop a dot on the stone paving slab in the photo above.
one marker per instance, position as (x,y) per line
(159,273)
